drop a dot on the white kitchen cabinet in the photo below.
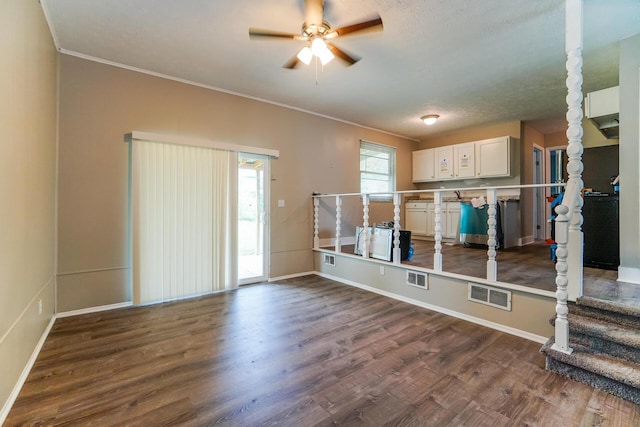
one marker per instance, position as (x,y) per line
(423,165)
(493,157)
(415,218)
(444,162)
(452,220)
(449,219)
(464,158)
(481,159)
(431,219)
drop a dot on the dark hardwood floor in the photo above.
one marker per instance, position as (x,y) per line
(300,352)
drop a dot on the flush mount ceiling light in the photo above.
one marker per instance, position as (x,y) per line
(429,119)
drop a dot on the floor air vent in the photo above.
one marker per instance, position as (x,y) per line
(417,279)
(330,259)
(494,297)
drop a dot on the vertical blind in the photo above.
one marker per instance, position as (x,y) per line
(182,221)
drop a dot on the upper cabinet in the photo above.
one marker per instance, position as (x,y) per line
(444,162)
(493,157)
(465,163)
(423,165)
(480,159)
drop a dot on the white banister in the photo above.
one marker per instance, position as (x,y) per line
(492,265)
(365,224)
(562,311)
(396,228)
(573,48)
(569,214)
(316,223)
(437,255)
(338,223)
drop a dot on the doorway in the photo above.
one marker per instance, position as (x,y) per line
(539,218)
(253,214)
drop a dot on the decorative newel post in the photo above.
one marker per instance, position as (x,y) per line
(338,223)
(573,48)
(562,311)
(396,229)
(365,225)
(316,223)
(492,265)
(437,255)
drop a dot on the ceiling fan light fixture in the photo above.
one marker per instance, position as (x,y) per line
(320,50)
(318,45)
(429,119)
(325,56)
(305,55)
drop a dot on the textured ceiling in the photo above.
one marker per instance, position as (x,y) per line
(472,62)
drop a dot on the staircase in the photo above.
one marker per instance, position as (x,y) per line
(605,338)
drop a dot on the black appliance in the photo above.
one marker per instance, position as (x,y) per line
(601,232)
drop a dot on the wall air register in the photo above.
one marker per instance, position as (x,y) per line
(494,297)
(418,280)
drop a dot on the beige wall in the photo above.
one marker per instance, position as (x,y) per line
(472,134)
(530,137)
(556,139)
(27,185)
(100,103)
(629,159)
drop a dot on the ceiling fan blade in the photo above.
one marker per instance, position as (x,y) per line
(255,33)
(292,63)
(350,60)
(313,12)
(374,24)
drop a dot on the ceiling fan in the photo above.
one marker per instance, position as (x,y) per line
(317,33)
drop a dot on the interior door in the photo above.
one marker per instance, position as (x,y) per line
(253,216)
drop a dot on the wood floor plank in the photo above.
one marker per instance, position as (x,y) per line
(305,351)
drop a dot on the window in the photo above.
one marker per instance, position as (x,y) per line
(377,170)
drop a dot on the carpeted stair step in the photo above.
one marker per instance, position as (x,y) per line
(605,315)
(611,338)
(613,306)
(611,374)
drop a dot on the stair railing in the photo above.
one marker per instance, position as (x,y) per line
(569,235)
(567,285)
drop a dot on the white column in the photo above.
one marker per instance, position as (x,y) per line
(338,246)
(365,224)
(573,47)
(492,265)
(396,229)
(437,255)
(562,311)
(316,223)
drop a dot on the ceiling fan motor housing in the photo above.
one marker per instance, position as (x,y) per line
(310,30)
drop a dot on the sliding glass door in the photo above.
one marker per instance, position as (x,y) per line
(253,214)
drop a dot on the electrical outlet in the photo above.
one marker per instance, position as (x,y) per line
(39,306)
(382,270)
